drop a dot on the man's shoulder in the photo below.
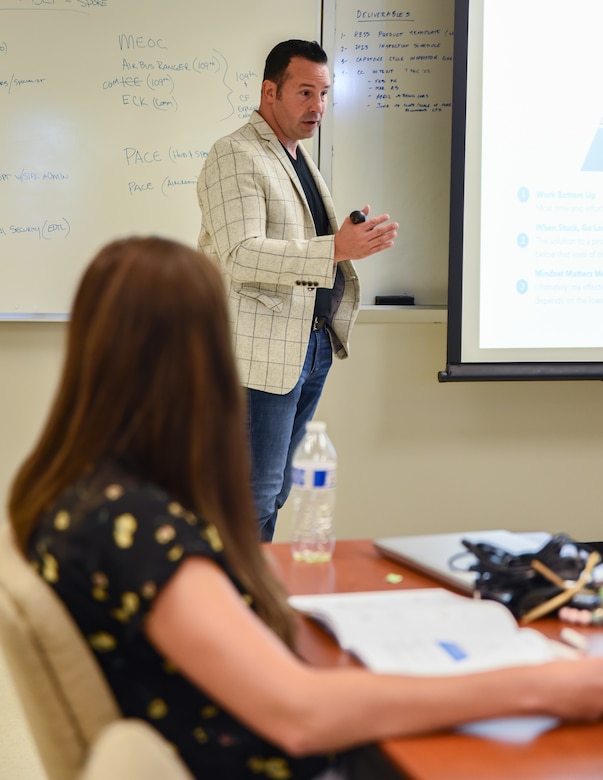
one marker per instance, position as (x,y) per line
(253,132)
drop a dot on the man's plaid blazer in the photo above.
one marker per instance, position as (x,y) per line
(256,223)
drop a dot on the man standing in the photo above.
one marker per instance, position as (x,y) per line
(269,221)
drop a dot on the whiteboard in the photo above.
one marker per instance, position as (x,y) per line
(109,108)
(388,142)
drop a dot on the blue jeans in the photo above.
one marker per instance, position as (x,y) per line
(277,424)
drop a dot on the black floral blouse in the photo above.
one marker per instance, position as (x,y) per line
(107,548)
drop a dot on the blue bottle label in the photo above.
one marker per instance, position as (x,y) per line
(317,478)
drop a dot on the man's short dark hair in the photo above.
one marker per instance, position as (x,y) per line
(279,58)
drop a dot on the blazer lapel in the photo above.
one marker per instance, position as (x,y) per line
(265,132)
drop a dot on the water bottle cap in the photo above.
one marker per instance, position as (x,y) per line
(316,426)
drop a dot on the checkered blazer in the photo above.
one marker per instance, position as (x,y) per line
(256,223)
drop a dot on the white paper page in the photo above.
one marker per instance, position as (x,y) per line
(520,730)
(426,631)
(454,652)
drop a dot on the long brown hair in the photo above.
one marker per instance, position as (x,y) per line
(149,377)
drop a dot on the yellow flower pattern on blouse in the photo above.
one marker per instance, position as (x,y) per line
(175,553)
(212,537)
(157,709)
(113,492)
(200,735)
(100,582)
(148,589)
(62,520)
(274,768)
(102,641)
(165,533)
(124,528)
(50,567)
(191,518)
(129,606)
(176,509)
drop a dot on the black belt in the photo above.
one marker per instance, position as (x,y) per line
(320,323)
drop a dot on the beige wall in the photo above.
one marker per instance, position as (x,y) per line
(414,455)
(30,359)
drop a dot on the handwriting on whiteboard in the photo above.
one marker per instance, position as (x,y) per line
(393,61)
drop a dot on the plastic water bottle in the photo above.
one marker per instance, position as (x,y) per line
(313,495)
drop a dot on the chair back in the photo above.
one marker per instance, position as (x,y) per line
(65,697)
(131,749)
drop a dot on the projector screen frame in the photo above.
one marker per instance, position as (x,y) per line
(459,369)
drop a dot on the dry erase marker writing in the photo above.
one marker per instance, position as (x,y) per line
(357,217)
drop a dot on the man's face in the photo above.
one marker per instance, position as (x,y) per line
(298,107)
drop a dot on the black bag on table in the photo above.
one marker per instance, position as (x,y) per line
(518,583)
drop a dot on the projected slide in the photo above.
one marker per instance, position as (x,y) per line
(594,159)
(541,235)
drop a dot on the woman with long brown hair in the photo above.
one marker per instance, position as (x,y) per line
(135,506)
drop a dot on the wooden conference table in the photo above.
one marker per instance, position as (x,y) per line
(570,752)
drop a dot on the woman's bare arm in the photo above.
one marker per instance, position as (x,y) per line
(202,625)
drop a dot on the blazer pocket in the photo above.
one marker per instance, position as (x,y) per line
(269,301)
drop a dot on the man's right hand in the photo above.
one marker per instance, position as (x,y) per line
(355,241)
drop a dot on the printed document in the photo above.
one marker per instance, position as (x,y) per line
(429,631)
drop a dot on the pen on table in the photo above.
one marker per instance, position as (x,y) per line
(552,576)
(562,598)
(575,639)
